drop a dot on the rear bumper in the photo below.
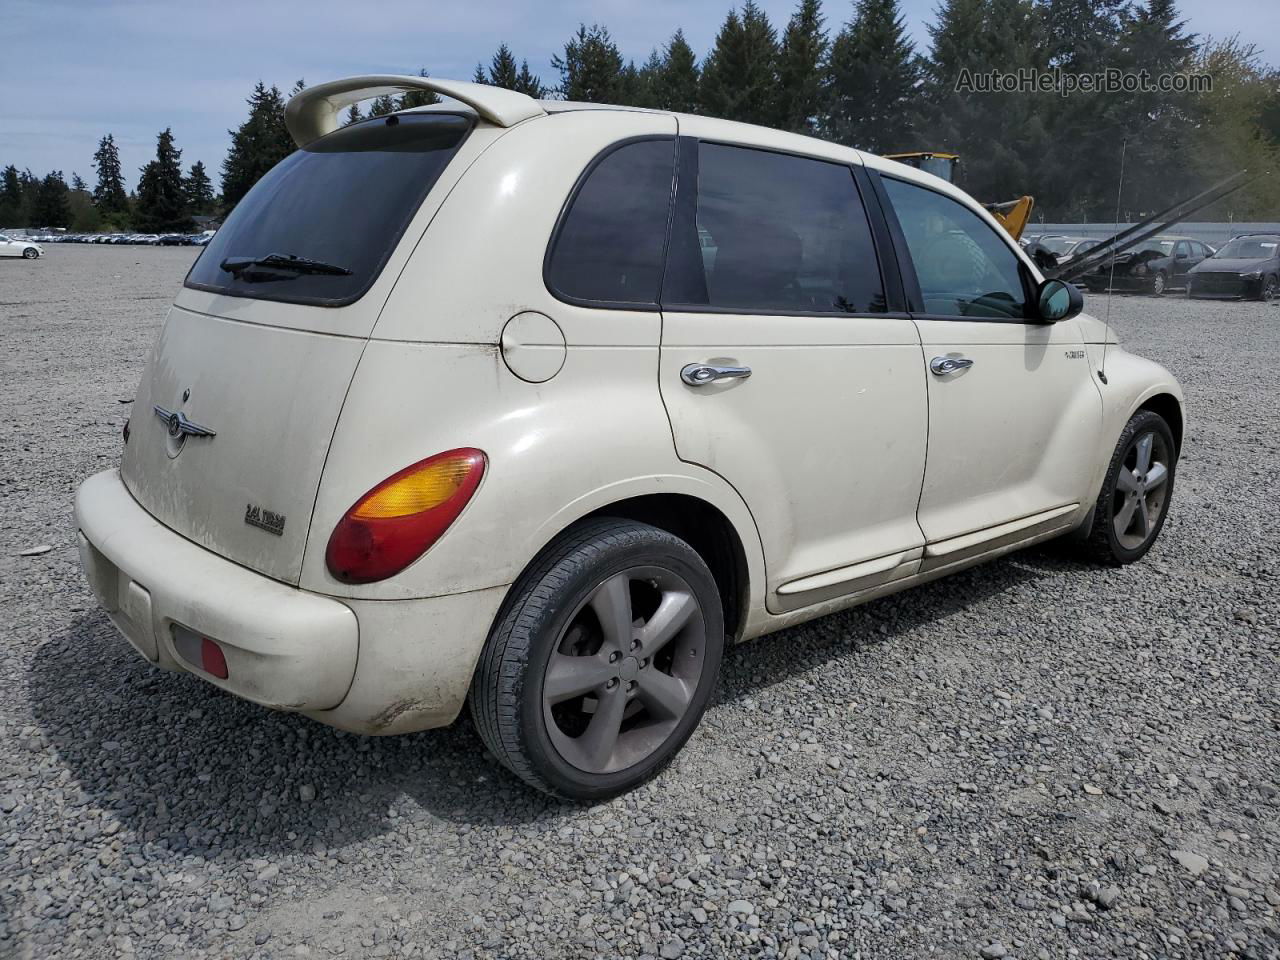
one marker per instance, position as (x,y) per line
(373,667)
(284,647)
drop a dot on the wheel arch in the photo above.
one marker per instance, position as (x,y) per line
(705,528)
(1168,407)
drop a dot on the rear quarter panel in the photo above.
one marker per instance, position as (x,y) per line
(433,377)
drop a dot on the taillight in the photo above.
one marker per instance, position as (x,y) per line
(398,520)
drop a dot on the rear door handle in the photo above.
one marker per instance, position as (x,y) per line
(700,374)
(941,366)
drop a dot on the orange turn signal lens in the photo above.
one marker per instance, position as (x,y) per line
(426,487)
(402,517)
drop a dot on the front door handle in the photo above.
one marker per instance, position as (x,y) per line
(700,374)
(941,366)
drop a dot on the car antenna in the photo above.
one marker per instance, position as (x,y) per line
(1111,281)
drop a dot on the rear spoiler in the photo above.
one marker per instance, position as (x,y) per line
(318,110)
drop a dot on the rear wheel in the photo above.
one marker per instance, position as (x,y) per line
(30,253)
(602,661)
(1134,502)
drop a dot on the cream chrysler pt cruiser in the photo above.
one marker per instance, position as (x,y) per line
(535,406)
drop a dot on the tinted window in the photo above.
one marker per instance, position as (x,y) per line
(784,233)
(963,267)
(343,200)
(610,242)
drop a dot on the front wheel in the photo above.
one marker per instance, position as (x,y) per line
(602,661)
(1159,283)
(1270,289)
(1134,502)
(30,253)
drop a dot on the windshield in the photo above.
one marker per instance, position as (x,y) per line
(1157,246)
(1249,248)
(342,201)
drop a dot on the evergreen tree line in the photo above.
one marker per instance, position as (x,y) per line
(164,202)
(861,83)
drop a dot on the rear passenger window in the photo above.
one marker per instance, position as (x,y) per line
(610,241)
(783,233)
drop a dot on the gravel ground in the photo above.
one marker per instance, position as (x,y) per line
(1031,759)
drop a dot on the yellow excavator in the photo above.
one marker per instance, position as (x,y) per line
(1013,215)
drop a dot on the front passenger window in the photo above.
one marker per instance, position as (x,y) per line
(963,268)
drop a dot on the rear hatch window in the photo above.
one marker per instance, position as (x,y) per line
(319,227)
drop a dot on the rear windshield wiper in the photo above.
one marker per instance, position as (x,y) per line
(243,268)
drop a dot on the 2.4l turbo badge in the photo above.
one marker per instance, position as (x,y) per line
(267,520)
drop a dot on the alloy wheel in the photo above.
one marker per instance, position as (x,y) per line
(1158,284)
(623,673)
(1141,490)
(1271,290)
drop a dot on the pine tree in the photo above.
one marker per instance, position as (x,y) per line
(529,83)
(384,105)
(1081,33)
(199,190)
(739,77)
(162,194)
(502,69)
(10,198)
(874,80)
(503,72)
(1001,138)
(644,81)
(591,69)
(77,183)
(28,188)
(417,98)
(801,64)
(676,84)
(109,195)
(257,145)
(354,115)
(1156,126)
(50,208)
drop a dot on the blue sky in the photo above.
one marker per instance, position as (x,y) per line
(77,69)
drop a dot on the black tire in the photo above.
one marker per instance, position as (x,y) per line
(1269,289)
(1160,283)
(30,253)
(1099,540)
(507,691)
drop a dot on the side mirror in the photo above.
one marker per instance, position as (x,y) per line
(1058,300)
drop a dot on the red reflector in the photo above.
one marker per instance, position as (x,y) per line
(211,659)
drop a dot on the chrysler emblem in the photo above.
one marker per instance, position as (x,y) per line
(179,426)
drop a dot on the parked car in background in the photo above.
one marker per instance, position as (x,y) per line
(1246,266)
(1066,249)
(561,401)
(19,247)
(1056,250)
(1153,266)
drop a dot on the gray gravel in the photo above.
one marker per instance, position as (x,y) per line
(1031,759)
